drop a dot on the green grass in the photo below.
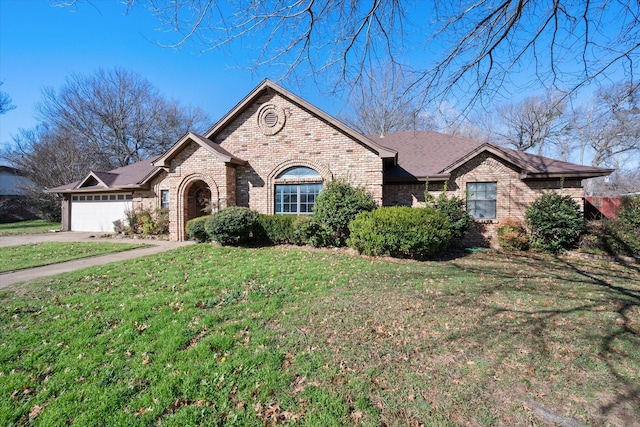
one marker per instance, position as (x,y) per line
(28,227)
(222,336)
(40,254)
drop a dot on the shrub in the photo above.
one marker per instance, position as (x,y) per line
(455,209)
(276,229)
(622,237)
(512,235)
(196,229)
(234,225)
(616,236)
(337,205)
(630,210)
(555,222)
(400,231)
(308,231)
(147,221)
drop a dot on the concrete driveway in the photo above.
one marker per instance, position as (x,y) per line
(10,278)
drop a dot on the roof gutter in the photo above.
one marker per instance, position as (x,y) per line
(413,179)
(574,174)
(120,189)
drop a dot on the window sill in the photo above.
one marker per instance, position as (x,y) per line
(486,220)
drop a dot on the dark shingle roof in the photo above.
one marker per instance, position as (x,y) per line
(428,154)
(130,176)
(424,153)
(421,155)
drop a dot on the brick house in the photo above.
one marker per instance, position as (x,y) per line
(273,152)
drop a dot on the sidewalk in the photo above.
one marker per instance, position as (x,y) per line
(10,278)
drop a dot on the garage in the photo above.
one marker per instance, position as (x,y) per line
(97,212)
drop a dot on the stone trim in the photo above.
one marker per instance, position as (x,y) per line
(271,119)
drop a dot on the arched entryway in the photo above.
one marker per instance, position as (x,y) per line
(198,200)
(198,195)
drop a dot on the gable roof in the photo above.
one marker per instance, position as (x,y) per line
(431,155)
(215,149)
(423,154)
(267,85)
(130,177)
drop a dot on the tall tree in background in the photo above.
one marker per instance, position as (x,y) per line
(532,123)
(98,122)
(382,102)
(469,51)
(5,101)
(117,115)
(608,128)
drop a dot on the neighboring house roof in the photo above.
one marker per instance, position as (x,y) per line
(12,181)
(215,149)
(9,169)
(382,151)
(431,155)
(130,177)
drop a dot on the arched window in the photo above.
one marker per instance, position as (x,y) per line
(296,191)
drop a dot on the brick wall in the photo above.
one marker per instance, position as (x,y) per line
(305,140)
(191,166)
(514,195)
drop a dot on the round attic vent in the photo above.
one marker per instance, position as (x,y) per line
(271,119)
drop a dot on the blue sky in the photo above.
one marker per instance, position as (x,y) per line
(41,45)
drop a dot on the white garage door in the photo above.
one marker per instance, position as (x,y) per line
(97,212)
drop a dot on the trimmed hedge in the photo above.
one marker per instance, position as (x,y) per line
(196,229)
(308,231)
(400,231)
(235,225)
(556,222)
(276,229)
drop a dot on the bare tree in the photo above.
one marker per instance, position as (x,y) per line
(117,115)
(608,128)
(48,157)
(445,118)
(381,103)
(469,49)
(100,122)
(532,123)
(5,101)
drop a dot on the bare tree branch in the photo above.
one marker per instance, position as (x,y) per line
(470,51)
(5,102)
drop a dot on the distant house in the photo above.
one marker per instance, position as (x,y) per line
(274,152)
(12,185)
(12,182)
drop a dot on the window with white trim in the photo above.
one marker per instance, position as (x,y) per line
(296,190)
(482,199)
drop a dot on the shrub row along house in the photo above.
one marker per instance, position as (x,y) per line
(274,151)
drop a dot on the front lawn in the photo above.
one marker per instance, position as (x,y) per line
(39,254)
(28,227)
(225,336)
